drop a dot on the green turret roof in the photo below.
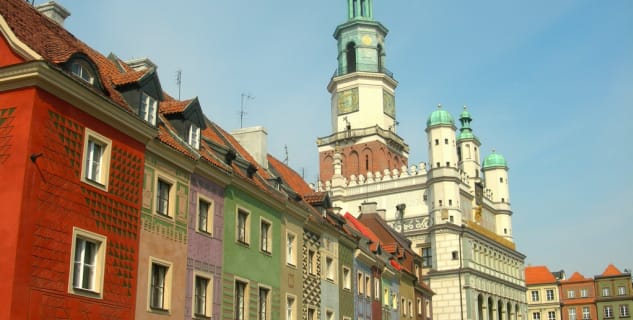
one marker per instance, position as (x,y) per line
(440,116)
(466,131)
(495,160)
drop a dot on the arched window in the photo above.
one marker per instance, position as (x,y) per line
(82,70)
(379,57)
(351,57)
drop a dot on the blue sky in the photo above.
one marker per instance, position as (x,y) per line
(549,85)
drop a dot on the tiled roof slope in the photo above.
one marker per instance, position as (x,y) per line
(611,271)
(576,277)
(364,230)
(56,45)
(289,176)
(538,275)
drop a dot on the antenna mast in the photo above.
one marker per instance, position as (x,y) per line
(179,81)
(242,112)
(286,154)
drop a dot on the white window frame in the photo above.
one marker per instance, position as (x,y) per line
(265,236)
(193,136)
(551,315)
(242,236)
(606,292)
(583,293)
(329,314)
(536,316)
(571,294)
(347,278)
(410,307)
(205,227)
(368,286)
(291,248)
(419,306)
(608,312)
(312,267)
(291,307)
(82,71)
(314,313)
(376,288)
(92,138)
(167,285)
(148,108)
(266,314)
(360,283)
(535,295)
(79,237)
(549,294)
(624,310)
(586,313)
(571,312)
(208,298)
(621,291)
(330,269)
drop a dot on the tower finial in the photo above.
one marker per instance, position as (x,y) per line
(439,106)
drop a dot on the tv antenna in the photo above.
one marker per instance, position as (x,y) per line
(179,81)
(246,96)
(286,154)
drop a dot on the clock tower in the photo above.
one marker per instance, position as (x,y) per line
(363,112)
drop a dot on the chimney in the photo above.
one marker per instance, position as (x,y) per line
(139,64)
(54,11)
(368,207)
(255,141)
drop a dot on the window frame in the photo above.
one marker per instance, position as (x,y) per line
(551,315)
(208,299)
(91,136)
(427,260)
(312,268)
(242,236)
(291,307)
(535,295)
(367,286)
(621,291)
(99,263)
(536,315)
(171,197)
(245,298)
(265,236)
(583,293)
(329,314)
(549,294)
(360,283)
(376,288)
(167,285)
(347,278)
(266,315)
(313,311)
(291,248)
(330,269)
(84,69)
(608,312)
(586,313)
(148,108)
(193,136)
(571,313)
(606,292)
(207,227)
(624,310)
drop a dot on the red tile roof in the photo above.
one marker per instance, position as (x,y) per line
(174,106)
(363,230)
(538,275)
(611,270)
(576,277)
(290,177)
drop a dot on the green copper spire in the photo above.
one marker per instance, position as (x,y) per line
(361,41)
(439,117)
(466,132)
(360,9)
(495,160)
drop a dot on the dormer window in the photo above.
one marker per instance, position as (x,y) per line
(193,136)
(148,108)
(83,71)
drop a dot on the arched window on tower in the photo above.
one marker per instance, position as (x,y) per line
(367,162)
(363,8)
(351,57)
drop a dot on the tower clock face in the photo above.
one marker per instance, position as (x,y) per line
(347,101)
(366,40)
(389,104)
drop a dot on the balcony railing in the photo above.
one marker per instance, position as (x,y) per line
(360,67)
(363,132)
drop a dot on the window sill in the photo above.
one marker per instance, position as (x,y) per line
(166,216)
(266,253)
(243,243)
(204,233)
(158,310)
(86,293)
(201,317)
(291,265)
(95,184)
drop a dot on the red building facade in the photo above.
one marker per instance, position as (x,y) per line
(71,166)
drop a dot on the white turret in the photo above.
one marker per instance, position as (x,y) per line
(468,150)
(443,175)
(495,170)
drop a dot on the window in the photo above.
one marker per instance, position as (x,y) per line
(572,313)
(606,292)
(454,254)
(291,251)
(347,278)
(81,70)
(551,315)
(571,294)
(193,136)
(427,258)
(311,262)
(621,291)
(205,216)
(329,315)
(535,295)
(96,159)
(160,284)
(202,296)
(583,293)
(240,300)
(385,297)
(263,304)
(585,313)
(290,308)
(549,294)
(329,268)
(536,316)
(242,226)
(312,314)
(403,306)
(360,284)
(367,286)
(419,306)
(624,310)
(437,142)
(265,236)
(410,308)
(377,288)
(394,301)
(445,141)
(87,263)
(162,197)
(148,108)
(608,312)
